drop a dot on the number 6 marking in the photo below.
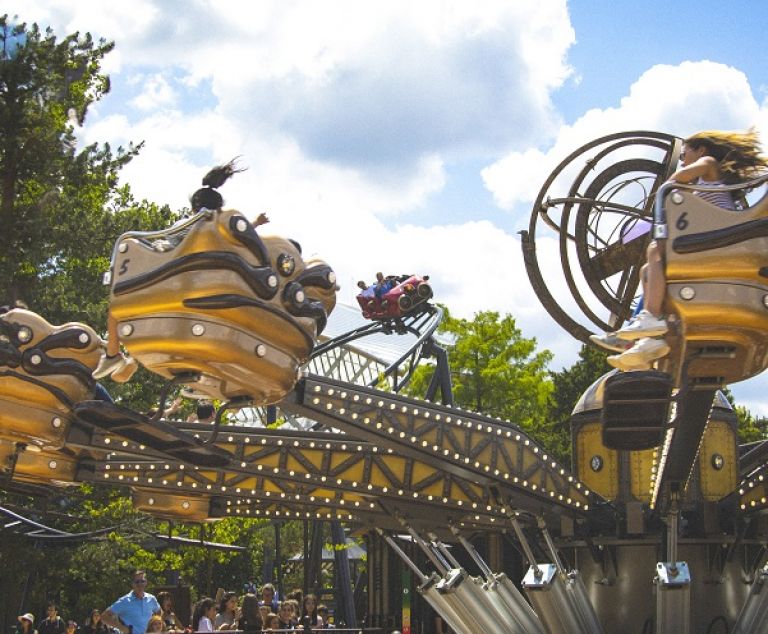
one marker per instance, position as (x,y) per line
(682,222)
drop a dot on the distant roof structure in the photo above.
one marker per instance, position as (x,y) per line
(355,552)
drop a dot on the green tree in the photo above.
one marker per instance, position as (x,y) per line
(61,208)
(569,384)
(494,369)
(750,429)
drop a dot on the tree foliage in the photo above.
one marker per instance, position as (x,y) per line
(61,208)
(494,369)
(750,428)
(569,384)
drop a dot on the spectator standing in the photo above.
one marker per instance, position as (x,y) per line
(52,623)
(71,627)
(309,612)
(285,615)
(297,594)
(250,620)
(322,612)
(268,598)
(130,614)
(155,625)
(94,625)
(227,614)
(272,623)
(295,611)
(171,622)
(26,624)
(203,615)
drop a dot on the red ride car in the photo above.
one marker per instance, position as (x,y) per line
(396,297)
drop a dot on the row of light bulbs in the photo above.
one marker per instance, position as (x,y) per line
(498,432)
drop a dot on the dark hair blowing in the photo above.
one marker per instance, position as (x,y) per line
(201,607)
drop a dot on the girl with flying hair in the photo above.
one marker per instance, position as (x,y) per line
(710,158)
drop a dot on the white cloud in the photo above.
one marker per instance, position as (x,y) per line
(676,99)
(365,87)
(347,114)
(155,93)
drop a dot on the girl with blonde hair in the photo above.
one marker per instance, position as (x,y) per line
(710,158)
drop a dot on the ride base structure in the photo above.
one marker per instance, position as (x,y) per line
(658,526)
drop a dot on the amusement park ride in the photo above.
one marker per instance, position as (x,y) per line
(659,526)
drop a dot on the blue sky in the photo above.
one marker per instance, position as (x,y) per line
(411,136)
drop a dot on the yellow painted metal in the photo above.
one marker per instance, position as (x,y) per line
(252,348)
(35,405)
(40,467)
(496,451)
(718,447)
(189,508)
(591,452)
(716,297)
(641,465)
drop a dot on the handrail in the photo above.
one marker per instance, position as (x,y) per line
(203,214)
(301,628)
(660,231)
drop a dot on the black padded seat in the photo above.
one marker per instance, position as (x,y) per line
(635,409)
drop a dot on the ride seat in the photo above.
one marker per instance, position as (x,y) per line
(717,290)
(44,371)
(240,311)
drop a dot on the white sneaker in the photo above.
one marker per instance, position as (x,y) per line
(644,325)
(610,341)
(626,365)
(641,355)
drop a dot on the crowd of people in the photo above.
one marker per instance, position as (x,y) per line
(139,611)
(252,613)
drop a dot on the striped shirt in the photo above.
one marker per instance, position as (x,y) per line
(721,199)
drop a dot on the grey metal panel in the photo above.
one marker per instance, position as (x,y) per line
(754,613)
(673,598)
(429,591)
(523,610)
(550,598)
(460,595)
(582,603)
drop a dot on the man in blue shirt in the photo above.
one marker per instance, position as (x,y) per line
(130,614)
